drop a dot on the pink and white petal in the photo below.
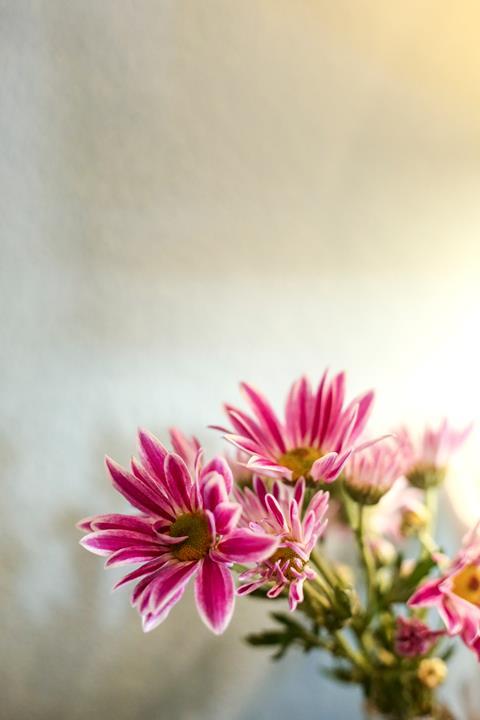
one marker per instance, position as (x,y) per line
(246,546)
(131,556)
(227,515)
(249,428)
(265,414)
(215,595)
(249,587)
(117,521)
(152,620)
(149,568)
(134,490)
(316,411)
(365,404)
(220,466)
(179,480)
(449,615)
(184,446)
(427,595)
(324,466)
(292,415)
(214,491)
(169,581)
(276,511)
(153,453)
(105,542)
(86,524)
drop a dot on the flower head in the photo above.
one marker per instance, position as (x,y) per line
(187,527)
(370,474)
(456,594)
(315,441)
(279,514)
(426,460)
(414,638)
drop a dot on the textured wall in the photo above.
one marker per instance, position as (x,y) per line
(192,193)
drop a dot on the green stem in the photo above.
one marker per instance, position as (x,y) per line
(349,652)
(367,561)
(324,568)
(315,595)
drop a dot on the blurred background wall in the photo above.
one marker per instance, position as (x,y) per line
(193,193)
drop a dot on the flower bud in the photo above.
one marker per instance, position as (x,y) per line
(432,672)
(426,476)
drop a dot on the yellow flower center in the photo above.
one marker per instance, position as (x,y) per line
(466,584)
(300,460)
(198,541)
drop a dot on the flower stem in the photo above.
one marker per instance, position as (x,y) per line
(349,652)
(367,561)
(324,568)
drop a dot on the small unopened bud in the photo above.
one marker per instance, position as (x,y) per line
(413,521)
(426,476)
(432,672)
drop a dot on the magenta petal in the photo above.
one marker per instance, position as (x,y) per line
(179,480)
(245,546)
(220,465)
(322,467)
(227,515)
(135,490)
(266,415)
(104,542)
(151,620)
(86,523)
(153,453)
(149,568)
(117,521)
(214,491)
(428,594)
(215,595)
(129,556)
(274,507)
(169,581)
(451,618)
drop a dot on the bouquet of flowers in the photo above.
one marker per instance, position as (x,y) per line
(264,514)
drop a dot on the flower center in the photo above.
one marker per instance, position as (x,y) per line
(300,460)
(198,541)
(287,555)
(466,584)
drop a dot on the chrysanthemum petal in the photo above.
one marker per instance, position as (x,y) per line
(151,620)
(134,490)
(227,515)
(220,465)
(245,546)
(428,594)
(265,413)
(169,581)
(215,595)
(153,453)
(104,542)
(179,480)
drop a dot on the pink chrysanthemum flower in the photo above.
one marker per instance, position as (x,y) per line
(426,460)
(187,527)
(456,594)
(317,438)
(371,474)
(279,513)
(413,637)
